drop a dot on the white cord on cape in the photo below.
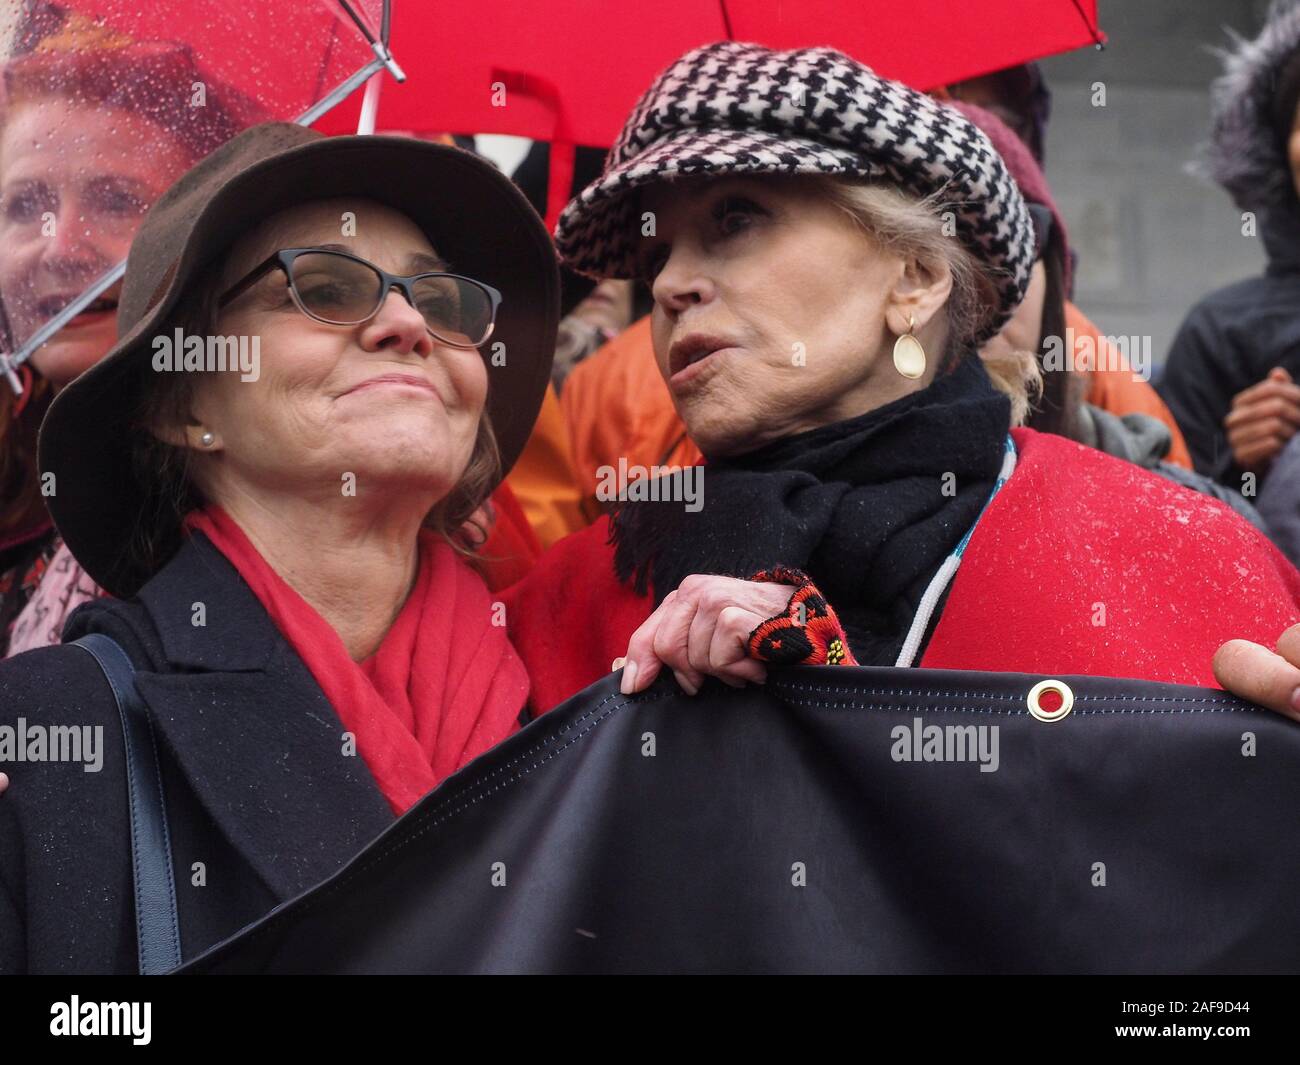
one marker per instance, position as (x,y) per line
(940,581)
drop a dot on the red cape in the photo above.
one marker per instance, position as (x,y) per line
(1082,564)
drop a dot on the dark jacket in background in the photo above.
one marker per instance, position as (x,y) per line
(258,788)
(1279,501)
(1229,341)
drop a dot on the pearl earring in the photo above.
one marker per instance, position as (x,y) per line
(207,439)
(909,355)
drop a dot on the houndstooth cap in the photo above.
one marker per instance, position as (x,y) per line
(734,108)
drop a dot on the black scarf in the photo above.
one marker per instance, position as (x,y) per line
(863,506)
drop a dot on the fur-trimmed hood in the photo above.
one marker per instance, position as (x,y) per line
(1245,154)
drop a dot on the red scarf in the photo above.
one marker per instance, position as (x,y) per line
(443,687)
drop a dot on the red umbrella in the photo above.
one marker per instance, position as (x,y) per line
(591,59)
(287,55)
(568,71)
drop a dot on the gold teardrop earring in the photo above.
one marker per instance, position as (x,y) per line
(909,355)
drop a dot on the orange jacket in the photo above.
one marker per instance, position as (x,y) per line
(616,404)
(543,479)
(536,505)
(1114,388)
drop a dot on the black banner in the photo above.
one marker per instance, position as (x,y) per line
(834,820)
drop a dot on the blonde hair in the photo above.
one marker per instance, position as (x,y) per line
(914,228)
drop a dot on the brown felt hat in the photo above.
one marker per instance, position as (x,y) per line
(471,212)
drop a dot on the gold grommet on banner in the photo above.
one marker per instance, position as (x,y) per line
(1040,689)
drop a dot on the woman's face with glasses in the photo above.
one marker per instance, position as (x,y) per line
(380,398)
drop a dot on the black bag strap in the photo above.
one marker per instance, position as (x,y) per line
(156,924)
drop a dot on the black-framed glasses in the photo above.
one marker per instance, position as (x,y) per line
(339,288)
(1042,219)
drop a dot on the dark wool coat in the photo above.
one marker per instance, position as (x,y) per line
(1228,342)
(1233,337)
(262,800)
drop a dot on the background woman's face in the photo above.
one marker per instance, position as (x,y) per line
(381,400)
(789,289)
(74,185)
(609,306)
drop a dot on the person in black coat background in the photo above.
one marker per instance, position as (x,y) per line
(1231,374)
